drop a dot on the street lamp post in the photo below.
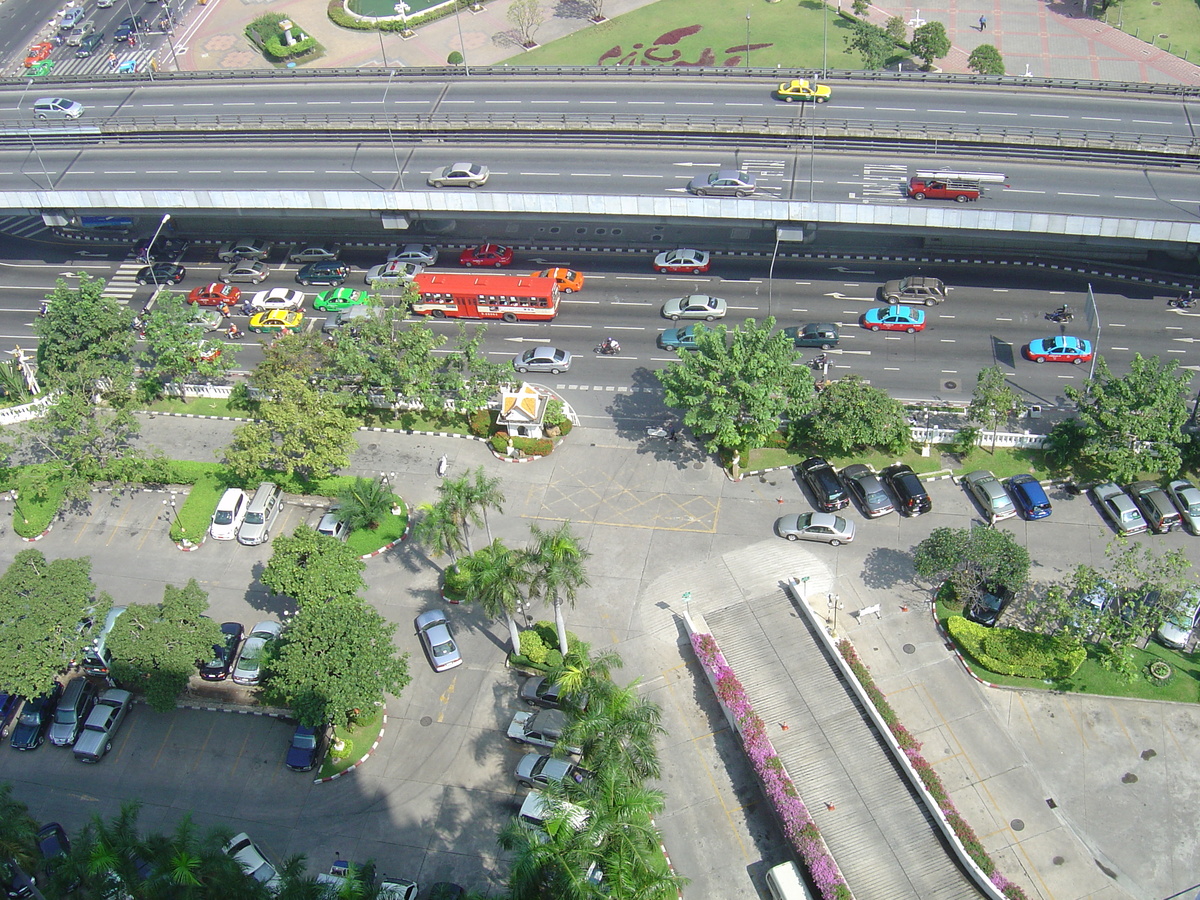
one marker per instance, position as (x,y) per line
(150,249)
(462,45)
(16,509)
(834,606)
(747,40)
(825,38)
(175,514)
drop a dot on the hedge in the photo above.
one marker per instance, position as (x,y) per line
(1010,651)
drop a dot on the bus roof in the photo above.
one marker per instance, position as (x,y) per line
(476,283)
(978,177)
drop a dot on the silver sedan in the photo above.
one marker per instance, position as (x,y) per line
(543,359)
(434,631)
(815,526)
(695,306)
(459,175)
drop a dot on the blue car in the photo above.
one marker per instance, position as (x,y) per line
(1029,497)
(1062,348)
(895,318)
(679,338)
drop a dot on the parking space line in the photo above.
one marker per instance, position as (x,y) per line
(116,529)
(165,740)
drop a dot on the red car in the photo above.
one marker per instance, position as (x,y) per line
(37,53)
(487,255)
(215,294)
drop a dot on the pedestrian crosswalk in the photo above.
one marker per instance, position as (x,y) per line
(123,283)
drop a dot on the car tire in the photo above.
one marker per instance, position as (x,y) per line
(822,99)
(962,198)
(555,371)
(674,318)
(438,184)
(697,271)
(509,317)
(107,746)
(701,193)
(930,302)
(827,346)
(1039,359)
(499,264)
(709,318)
(1077,361)
(439,314)
(224,280)
(523,369)
(910,330)
(568,290)
(41,115)
(793,537)
(919,195)
(788,99)
(476,184)
(741,194)
(835,543)
(874,327)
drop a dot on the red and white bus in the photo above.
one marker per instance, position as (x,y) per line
(511,298)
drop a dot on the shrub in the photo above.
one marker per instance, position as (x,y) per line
(1011,651)
(338,16)
(480,422)
(500,442)
(533,648)
(534,446)
(276,49)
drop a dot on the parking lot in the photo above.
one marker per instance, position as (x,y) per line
(429,802)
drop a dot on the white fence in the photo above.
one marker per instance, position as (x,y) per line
(14,414)
(922,435)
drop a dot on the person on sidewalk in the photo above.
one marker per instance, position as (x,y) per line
(983,23)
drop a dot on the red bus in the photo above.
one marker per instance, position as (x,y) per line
(512,298)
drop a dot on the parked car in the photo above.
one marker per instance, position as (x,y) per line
(245,271)
(868,489)
(568,280)
(724,183)
(277,298)
(540,729)
(1178,624)
(161,273)
(31,726)
(815,526)
(9,704)
(1118,509)
(102,723)
(990,494)
(1186,498)
(421,254)
(828,492)
(254,652)
(459,175)
(231,509)
(253,862)
(695,306)
(543,359)
(1157,509)
(244,248)
(486,255)
(814,334)
(683,260)
(541,691)
(1029,496)
(314,252)
(307,748)
(331,526)
(894,318)
(988,607)
(54,846)
(224,653)
(433,628)
(326,272)
(539,769)
(72,710)
(915,289)
(910,492)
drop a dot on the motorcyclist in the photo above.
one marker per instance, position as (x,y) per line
(610,345)
(234,332)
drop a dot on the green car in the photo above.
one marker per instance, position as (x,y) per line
(339,298)
(45,67)
(679,338)
(820,335)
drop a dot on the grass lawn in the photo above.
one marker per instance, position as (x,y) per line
(358,739)
(367,540)
(1004,462)
(382,418)
(1173,25)
(789,35)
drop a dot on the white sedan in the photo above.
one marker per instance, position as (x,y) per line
(695,306)
(683,260)
(277,298)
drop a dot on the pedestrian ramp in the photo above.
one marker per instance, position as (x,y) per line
(23,226)
(877,830)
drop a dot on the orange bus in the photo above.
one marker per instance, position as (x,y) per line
(511,298)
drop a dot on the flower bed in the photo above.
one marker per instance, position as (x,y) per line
(798,825)
(912,749)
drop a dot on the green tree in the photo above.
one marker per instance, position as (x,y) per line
(986,60)
(83,332)
(336,660)
(930,42)
(1132,424)
(970,558)
(494,577)
(467,499)
(313,568)
(43,610)
(18,830)
(454,59)
(895,28)
(852,415)
(527,17)
(993,402)
(619,728)
(365,503)
(860,7)
(555,570)
(468,376)
(438,531)
(871,42)
(484,493)
(155,647)
(582,672)
(735,393)
(172,349)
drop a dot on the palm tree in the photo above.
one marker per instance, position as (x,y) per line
(555,572)
(550,862)
(364,503)
(457,502)
(493,577)
(581,673)
(438,531)
(18,831)
(485,493)
(619,728)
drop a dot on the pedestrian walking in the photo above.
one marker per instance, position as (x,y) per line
(672,435)
(983,23)
(112,60)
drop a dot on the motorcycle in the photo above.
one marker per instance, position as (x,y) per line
(820,361)
(607,348)
(1186,300)
(1062,315)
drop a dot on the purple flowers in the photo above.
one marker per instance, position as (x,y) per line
(798,825)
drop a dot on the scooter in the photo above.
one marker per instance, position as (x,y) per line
(607,348)
(1186,300)
(820,361)
(1061,315)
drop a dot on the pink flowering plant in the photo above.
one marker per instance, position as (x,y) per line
(798,825)
(929,778)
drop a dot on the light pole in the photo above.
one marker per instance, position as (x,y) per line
(382,52)
(834,606)
(175,514)
(150,248)
(825,39)
(16,509)
(462,45)
(747,40)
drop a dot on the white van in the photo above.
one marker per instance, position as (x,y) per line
(260,515)
(57,108)
(784,883)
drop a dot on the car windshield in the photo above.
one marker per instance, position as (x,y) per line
(304,741)
(223,517)
(254,518)
(250,657)
(31,716)
(64,715)
(1193,503)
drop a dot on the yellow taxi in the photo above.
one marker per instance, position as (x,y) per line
(276,320)
(802,89)
(569,281)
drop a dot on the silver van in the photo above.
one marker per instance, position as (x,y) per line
(785,883)
(261,514)
(57,108)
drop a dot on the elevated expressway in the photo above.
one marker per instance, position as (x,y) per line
(1108,170)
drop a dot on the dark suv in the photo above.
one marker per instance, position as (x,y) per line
(828,491)
(911,494)
(328,272)
(1157,509)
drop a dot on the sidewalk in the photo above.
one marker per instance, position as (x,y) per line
(1038,38)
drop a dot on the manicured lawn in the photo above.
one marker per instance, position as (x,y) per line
(790,35)
(1004,462)
(1173,25)
(358,739)
(366,540)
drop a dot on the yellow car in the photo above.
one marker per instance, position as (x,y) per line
(276,320)
(802,89)
(568,280)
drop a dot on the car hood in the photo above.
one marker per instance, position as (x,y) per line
(516,728)
(300,757)
(24,735)
(60,735)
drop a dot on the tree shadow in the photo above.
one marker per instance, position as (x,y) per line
(574,9)
(885,568)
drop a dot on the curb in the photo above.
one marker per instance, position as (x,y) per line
(38,537)
(386,547)
(362,759)
(266,712)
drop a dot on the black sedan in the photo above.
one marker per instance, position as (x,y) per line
(130,25)
(161,273)
(307,748)
(328,272)
(539,691)
(217,668)
(34,722)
